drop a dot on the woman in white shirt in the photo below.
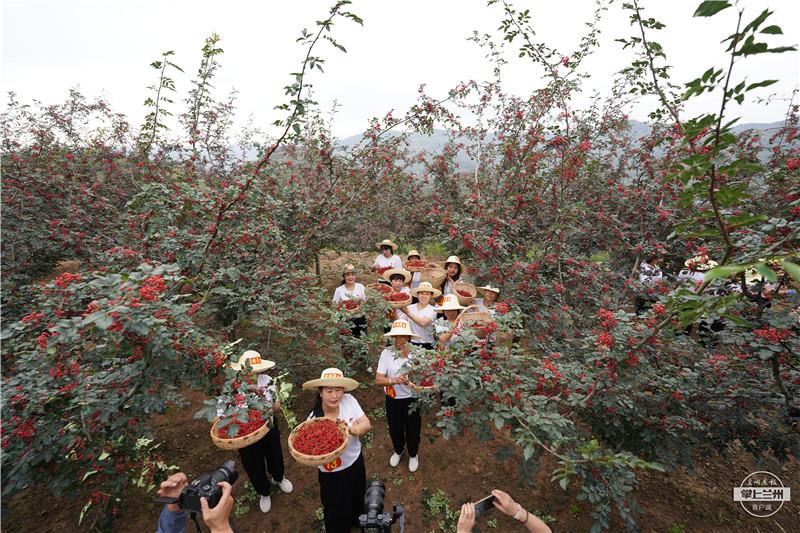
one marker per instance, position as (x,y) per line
(265,454)
(416,276)
(397,278)
(421,315)
(445,328)
(405,423)
(342,482)
(386,259)
(350,290)
(490,295)
(453,267)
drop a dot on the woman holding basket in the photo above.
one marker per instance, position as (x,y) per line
(421,315)
(350,290)
(342,482)
(405,423)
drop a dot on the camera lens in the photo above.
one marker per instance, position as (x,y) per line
(226,472)
(373,498)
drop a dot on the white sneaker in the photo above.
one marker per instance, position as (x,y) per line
(369,370)
(413,464)
(286,486)
(394,460)
(265,504)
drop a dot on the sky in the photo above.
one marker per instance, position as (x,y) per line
(105,48)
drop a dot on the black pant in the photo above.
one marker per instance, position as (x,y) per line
(405,425)
(342,495)
(253,457)
(426,345)
(359,326)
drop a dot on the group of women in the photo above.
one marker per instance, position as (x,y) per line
(429,322)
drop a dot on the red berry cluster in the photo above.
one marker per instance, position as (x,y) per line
(152,287)
(397,297)
(349,304)
(385,289)
(318,438)
(464,293)
(255,421)
(415,263)
(383,269)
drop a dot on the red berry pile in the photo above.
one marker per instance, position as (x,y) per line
(465,294)
(318,438)
(349,304)
(397,297)
(385,289)
(415,263)
(245,428)
(383,269)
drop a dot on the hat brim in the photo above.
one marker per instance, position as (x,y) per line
(398,334)
(451,308)
(263,366)
(347,384)
(392,271)
(387,243)
(484,290)
(435,292)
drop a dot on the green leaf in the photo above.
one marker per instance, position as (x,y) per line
(765,83)
(710,8)
(792,269)
(766,271)
(296,128)
(773,30)
(564,481)
(83,511)
(723,272)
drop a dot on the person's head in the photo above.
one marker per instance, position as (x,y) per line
(386,251)
(453,267)
(330,387)
(653,259)
(424,297)
(413,258)
(401,341)
(424,292)
(387,247)
(489,297)
(331,396)
(349,275)
(397,281)
(451,314)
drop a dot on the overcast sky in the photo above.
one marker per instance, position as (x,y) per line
(105,47)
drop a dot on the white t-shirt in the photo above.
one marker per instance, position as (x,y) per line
(265,386)
(415,279)
(393,262)
(397,312)
(341,293)
(349,412)
(442,325)
(392,366)
(425,333)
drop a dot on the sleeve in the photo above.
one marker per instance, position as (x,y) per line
(360,291)
(337,295)
(430,312)
(169,522)
(383,363)
(397,261)
(355,408)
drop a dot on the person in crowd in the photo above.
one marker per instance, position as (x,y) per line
(505,504)
(386,259)
(453,267)
(415,277)
(173,519)
(445,328)
(351,290)
(266,454)
(342,482)
(422,315)
(397,278)
(405,422)
(695,267)
(650,275)
(490,295)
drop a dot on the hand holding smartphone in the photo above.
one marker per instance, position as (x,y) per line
(484,505)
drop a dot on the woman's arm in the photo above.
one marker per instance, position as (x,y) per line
(507,505)
(383,380)
(420,321)
(360,427)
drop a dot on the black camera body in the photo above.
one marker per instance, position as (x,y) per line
(205,486)
(375,519)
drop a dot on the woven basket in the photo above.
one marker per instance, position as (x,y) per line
(466,287)
(316,460)
(237,442)
(433,275)
(415,269)
(474,314)
(421,388)
(379,288)
(344,308)
(402,303)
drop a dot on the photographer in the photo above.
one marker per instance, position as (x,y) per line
(173,518)
(507,505)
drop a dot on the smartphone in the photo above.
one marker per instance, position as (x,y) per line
(484,505)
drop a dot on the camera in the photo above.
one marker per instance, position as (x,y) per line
(375,519)
(205,486)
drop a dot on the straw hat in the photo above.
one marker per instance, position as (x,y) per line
(400,327)
(386,242)
(331,377)
(449,303)
(412,253)
(254,358)
(394,271)
(425,286)
(489,288)
(453,259)
(349,269)
(700,263)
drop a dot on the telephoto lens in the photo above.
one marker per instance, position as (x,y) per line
(373,499)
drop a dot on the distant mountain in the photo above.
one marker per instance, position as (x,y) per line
(435,143)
